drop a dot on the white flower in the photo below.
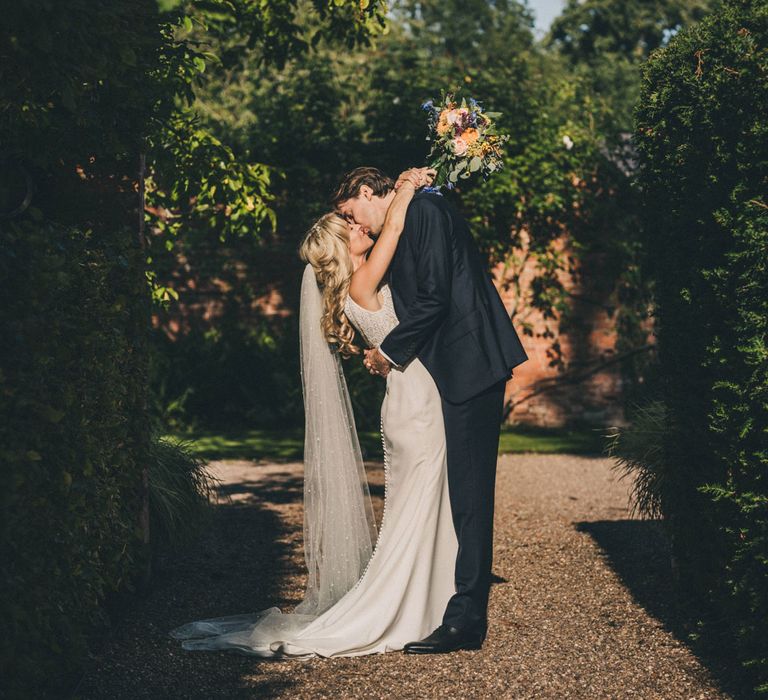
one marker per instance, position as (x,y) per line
(460,146)
(567,142)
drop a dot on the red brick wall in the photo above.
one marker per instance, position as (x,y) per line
(260,282)
(566,386)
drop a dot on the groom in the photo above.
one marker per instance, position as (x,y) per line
(452,318)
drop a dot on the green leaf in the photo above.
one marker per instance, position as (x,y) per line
(128,56)
(475,163)
(68,97)
(51,414)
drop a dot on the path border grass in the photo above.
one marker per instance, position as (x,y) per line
(288,445)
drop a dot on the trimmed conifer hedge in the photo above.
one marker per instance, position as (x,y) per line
(702,132)
(77,91)
(74,436)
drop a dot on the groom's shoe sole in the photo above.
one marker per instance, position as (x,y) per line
(472,646)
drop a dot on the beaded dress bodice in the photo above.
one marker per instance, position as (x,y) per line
(373,325)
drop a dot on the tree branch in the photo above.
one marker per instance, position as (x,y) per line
(574,377)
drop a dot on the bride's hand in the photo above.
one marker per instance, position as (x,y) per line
(418,177)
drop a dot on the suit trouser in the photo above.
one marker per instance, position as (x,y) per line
(472,438)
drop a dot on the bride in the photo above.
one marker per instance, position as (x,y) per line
(359,599)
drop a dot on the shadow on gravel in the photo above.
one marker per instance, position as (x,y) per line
(639,552)
(241,563)
(280,489)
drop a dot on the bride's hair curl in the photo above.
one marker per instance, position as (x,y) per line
(326,248)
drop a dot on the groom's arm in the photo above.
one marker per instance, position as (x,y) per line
(428,235)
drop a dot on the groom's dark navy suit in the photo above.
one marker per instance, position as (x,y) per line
(452,318)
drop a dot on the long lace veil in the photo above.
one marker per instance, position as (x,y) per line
(339,525)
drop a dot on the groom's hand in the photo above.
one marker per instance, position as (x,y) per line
(376,363)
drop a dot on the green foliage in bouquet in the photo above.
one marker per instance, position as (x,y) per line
(702,132)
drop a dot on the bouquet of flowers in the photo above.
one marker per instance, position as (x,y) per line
(464,140)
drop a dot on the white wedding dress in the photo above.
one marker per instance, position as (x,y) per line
(408,580)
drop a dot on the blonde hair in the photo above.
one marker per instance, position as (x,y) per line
(326,248)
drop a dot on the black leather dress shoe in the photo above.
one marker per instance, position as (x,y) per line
(445,639)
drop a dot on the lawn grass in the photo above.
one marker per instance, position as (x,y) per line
(269,445)
(288,445)
(552,440)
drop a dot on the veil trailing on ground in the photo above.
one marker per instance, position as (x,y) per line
(339,525)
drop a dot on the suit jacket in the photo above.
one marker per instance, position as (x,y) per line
(450,315)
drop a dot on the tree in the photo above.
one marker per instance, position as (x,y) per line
(93,95)
(327,111)
(196,181)
(702,137)
(606,41)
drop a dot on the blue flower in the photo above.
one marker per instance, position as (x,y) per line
(428,105)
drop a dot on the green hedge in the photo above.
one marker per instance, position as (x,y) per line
(244,375)
(87,88)
(79,83)
(702,132)
(74,438)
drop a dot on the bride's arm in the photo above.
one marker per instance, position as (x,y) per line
(366,279)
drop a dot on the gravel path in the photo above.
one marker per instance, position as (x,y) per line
(580,608)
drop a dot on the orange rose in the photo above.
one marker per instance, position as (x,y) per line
(470,136)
